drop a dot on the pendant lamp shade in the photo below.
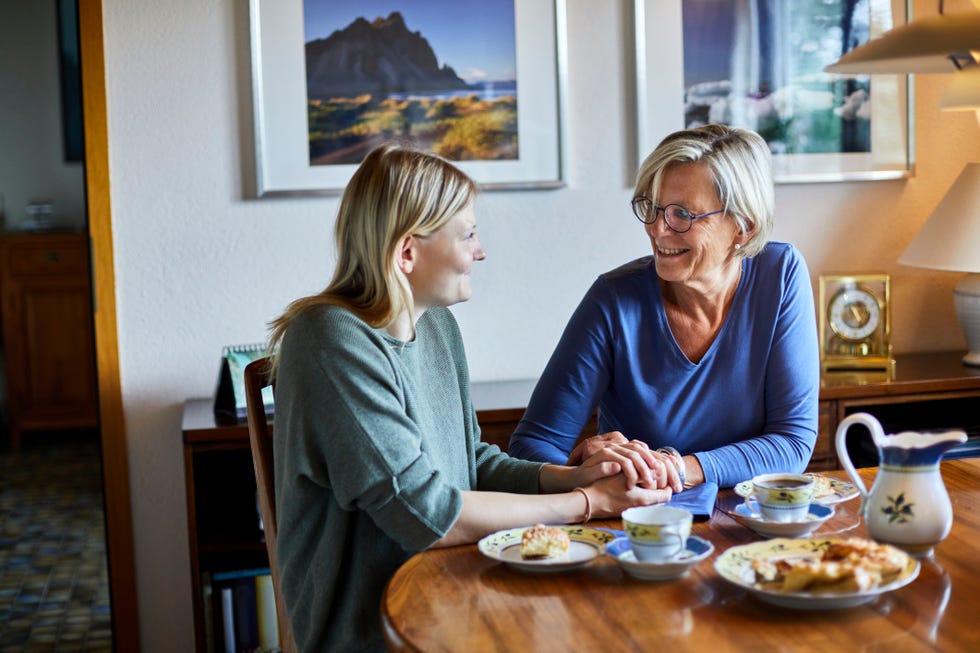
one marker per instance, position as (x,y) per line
(963,92)
(923,46)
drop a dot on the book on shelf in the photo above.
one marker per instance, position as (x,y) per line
(244,611)
(246,614)
(268,621)
(228,620)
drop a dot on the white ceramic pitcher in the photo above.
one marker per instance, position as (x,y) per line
(908,505)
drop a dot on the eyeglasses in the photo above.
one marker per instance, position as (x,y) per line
(676,216)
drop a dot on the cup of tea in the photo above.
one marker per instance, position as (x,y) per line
(782,497)
(657,533)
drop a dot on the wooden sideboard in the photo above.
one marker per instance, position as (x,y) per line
(927,391)
(48,342)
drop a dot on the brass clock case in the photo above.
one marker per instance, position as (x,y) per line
(855,322)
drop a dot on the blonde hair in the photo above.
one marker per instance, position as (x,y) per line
(396,191)
(740,165)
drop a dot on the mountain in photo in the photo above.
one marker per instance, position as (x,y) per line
(378,57)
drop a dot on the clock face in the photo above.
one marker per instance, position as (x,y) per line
(854,314)
(855,323)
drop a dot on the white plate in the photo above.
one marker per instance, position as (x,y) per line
(750,518)
(734,565)
(586,544)
(696,550)
(839,490)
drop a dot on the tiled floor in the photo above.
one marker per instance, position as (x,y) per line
(54,593)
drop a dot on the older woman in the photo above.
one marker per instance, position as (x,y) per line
(377,448)
(705,351)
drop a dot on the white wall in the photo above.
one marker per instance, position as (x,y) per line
(199,266)
(32,155)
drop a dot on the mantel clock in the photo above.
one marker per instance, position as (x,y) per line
(855,322)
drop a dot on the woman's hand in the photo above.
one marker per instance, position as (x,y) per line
(591,446)
(610,496)
(612,453)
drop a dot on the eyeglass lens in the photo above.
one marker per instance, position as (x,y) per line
(676,216)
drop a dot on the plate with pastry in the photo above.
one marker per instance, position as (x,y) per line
(545,548)
(750,517)
(827,490)
(694,552)
(817,574)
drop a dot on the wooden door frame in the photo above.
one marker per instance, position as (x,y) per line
(115,465)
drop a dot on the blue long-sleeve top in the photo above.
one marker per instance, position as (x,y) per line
(748,407)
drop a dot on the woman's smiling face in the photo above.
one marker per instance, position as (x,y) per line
(700,253)
(444,260)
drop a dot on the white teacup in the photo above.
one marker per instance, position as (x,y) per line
(657,533)
(782,497)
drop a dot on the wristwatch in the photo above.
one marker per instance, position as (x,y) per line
(678,462)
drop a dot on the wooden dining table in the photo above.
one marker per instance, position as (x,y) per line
(458,599)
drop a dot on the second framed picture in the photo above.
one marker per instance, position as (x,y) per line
(480,82)
(759,65)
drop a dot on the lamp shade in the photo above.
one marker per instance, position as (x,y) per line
(922,46)
(950,238)
(963,90)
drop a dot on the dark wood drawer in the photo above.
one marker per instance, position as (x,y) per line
(63,257)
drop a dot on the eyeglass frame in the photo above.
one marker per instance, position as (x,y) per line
(657,210)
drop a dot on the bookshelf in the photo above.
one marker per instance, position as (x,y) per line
(222,518)
(931,390)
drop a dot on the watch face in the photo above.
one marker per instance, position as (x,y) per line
(854,314)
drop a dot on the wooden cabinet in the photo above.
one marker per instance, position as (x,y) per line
(48,345)
(927,391)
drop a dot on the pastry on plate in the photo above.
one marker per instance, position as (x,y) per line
(854,565)
(540,541)
(821,486)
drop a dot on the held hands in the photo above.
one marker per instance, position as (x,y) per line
(610,496)
(591,446)
(611,453)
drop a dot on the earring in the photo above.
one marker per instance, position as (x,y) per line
(738,246)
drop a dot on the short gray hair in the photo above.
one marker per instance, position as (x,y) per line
(741,168)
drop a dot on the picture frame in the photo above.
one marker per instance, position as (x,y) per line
(664,104)
(279,85)
(69,64)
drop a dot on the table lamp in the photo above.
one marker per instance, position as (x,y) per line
(950,240)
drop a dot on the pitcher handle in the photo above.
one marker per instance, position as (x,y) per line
(840,443)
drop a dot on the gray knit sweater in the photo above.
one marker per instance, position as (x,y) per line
(374,440)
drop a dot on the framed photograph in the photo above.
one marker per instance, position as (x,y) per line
(71,81)
(481,82)
(760,65)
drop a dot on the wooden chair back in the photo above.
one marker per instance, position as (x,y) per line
(260,438)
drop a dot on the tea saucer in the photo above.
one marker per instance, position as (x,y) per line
(750,517)
(696,550)
(837,490)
